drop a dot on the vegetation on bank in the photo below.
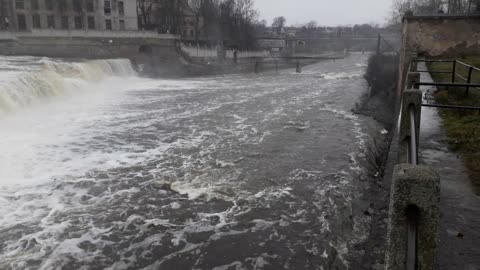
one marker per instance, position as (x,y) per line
(462,126)
(380,103)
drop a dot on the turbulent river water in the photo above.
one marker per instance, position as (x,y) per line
(103,169)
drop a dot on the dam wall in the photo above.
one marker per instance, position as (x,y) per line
(153,54)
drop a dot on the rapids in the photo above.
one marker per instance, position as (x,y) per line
(102,169)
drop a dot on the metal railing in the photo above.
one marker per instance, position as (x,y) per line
(414,208)
(467,81)
(381,40)
(412,113)
(412,153)
(467,84)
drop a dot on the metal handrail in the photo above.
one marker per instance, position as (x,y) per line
(452,107)
(412,155)
(434,61)
(412,217)
(447,84)
(467,65)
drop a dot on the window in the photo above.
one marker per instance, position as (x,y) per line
(51,21)
(77,5)
(90,7)
(121,9)
(49,4)
(34,4)
(91,22)
(36,21)
(107,8)
(78,22)
(22,23)
(108,24)
(122,25)
(64,22)
(20,4)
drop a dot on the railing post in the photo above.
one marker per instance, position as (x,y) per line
(412,79)
(379,44)
(418,188)
(299,67)
(454,71)
(414,66)
(469,79)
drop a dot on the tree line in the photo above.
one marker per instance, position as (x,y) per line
(230,21)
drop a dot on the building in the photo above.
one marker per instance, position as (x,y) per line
(28,15)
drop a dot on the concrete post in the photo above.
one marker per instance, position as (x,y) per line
(299,67)
(413,66)
(412,78)
(411,97)
(416,186)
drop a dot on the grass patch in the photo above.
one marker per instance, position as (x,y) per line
(462,127)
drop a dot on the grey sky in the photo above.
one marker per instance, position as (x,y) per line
(325,12)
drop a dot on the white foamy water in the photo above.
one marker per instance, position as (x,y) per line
(102,169)
(48,105)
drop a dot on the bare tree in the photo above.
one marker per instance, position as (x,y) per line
(279,24)
(144,12)
(195,6)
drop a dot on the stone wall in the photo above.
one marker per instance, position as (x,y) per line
(434,36)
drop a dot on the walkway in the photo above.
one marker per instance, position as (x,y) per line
(459,233)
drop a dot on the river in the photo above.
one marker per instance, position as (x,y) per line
(103,169)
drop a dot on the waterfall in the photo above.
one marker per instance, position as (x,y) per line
(25,82)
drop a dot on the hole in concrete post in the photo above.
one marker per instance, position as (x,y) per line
(412,214)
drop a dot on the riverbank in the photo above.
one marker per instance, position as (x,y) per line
(380,103)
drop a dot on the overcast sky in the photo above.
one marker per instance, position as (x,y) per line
(325,12)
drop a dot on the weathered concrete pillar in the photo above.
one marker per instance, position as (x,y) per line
(418,187)
(412,99)
(412,78)
(413,66)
